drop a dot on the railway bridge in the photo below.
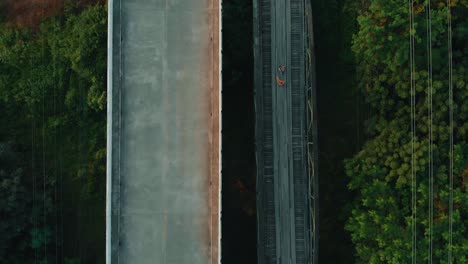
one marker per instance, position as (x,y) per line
(286,134)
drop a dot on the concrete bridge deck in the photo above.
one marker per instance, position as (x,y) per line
(163,132)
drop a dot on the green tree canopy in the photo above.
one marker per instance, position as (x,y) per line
(53,103)
(380,174)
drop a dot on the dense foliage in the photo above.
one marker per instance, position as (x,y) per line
(14,204)
(53,100)
(380,174)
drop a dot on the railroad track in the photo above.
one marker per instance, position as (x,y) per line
(284,186)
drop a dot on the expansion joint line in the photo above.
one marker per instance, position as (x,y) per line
(430,118)
(450,62)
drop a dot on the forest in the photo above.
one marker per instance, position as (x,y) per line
(53,132)
(385,121)
(401,163)
(370,180)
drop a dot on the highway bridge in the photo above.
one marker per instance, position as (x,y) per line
(163,132)
(287,182)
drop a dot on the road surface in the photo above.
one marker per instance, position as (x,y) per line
(163,132)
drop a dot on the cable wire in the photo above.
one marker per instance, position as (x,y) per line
(451,154)
(60,160)
(44,143)
(430,117)
(55,152)
(413,136)
(33,167)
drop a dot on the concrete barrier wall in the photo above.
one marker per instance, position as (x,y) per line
(163,131)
